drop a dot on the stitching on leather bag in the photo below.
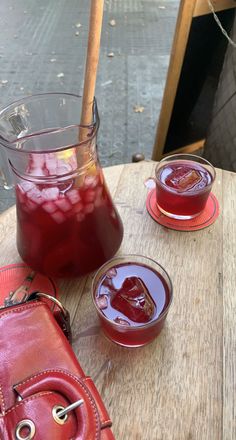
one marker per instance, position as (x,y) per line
(89,380)
(77,380)
(19,308)
(28,399)
(2,400)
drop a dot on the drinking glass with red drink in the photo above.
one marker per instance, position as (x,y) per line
(183,184)
(132,295)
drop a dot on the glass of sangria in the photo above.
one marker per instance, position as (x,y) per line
(67,224)
(132,295)
(183,184)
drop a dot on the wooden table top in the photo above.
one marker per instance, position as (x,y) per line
(182,386)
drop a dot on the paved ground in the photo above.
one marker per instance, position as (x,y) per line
(40,40)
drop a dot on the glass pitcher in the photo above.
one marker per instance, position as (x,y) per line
(67,224)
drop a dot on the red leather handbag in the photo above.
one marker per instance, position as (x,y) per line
(44,393)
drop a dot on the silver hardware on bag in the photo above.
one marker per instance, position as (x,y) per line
(64,318)
(60,414)
(55,411)
(21,293)
(27,425)
(53,299)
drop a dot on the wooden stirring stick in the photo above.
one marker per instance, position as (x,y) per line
(94,37)
(93,47)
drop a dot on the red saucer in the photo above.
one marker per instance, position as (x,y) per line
(206,218)
(13,276)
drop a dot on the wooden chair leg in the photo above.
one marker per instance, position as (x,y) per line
(181,35)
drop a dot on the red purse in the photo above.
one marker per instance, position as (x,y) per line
(44,393)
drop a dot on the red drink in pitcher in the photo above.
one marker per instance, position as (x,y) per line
(183,187)
(132,298)
(66,230)
(67,224)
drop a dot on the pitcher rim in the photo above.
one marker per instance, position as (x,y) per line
(94,125)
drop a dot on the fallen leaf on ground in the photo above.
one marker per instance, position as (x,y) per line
(138,109)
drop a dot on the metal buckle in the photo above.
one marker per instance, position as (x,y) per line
(60,414)
(56,411)
(25,424)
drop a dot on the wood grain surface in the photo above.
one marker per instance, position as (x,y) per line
(182,385)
